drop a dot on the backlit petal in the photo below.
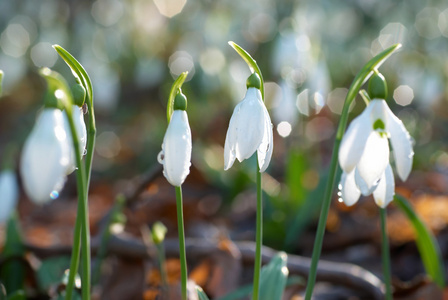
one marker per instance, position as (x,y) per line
(80,125)
(264,151)
(349,192)
(401,144)
(354,140)
(362,185)
(176,149)
(45,157)
(374,159)
(385,191)
(230,143)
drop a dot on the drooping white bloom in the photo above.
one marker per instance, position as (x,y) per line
(45,156)
(80,125)
(364,154)
(176,149)
(9,194)
(250,130)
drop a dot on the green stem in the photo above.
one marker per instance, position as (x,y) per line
(183,258)
(385,254)
(359,80)
(81,221)
(258,238)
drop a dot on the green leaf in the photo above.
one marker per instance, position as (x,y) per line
(201,294)
(273,277)
(426,243)
(51,271)
(13,270)
(56,82)
(253,66)
(17,295)
(177,85)
(79,70)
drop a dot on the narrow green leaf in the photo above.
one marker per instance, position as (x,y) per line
(201,293)
(51,271)
(13,270)
(253,66)
(177,85)
(77,69)
(426,243)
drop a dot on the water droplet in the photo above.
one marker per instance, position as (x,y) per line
(340,200)
(339,193)
(340,186)
(161,157)
(54,195)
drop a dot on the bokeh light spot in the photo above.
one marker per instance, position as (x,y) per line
(108,144)
(404,95)
(170,8)
(284,129)
(43,55)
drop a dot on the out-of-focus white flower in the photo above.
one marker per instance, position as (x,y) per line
(78,118)
(45,156)
(250,130)
(364,155)
(176,149)
(9,194)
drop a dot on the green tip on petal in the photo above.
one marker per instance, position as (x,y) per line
(377,86)
(253,81)
(379,124)
(79,94)
(180,101)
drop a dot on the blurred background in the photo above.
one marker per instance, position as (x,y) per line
(308,51)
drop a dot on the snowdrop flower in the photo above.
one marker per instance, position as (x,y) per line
(176,148)
(78,118)
(250,129)
(364,155)
(45,157)
(9,192)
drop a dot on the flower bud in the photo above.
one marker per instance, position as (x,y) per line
(180,101)
(377,86)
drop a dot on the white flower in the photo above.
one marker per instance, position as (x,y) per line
(250,130)
(45,156)
(9,192)
(176,149)
(80,125)
(364,154)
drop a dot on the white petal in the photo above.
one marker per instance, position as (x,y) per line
(401,144)
(374,159)
(264,152)
(362,185)
(9,194)
(354,140)
(230,143)
(45,157)
(349,192)
(176,148)
(385,191)
(80,125)
(249,125)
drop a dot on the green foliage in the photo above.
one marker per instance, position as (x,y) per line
(273,277)
(426,243)
(17,295)
(51,271)
(12,273)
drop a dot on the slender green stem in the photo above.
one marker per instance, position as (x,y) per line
(258,238)
(80,235)
(385,255)
(359,80)
(183,257)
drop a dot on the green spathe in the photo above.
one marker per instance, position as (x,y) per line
(180,101)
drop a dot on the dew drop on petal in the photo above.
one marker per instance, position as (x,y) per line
(340,194)
(340,186)
(54,195)
(161,157)
(340,200)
